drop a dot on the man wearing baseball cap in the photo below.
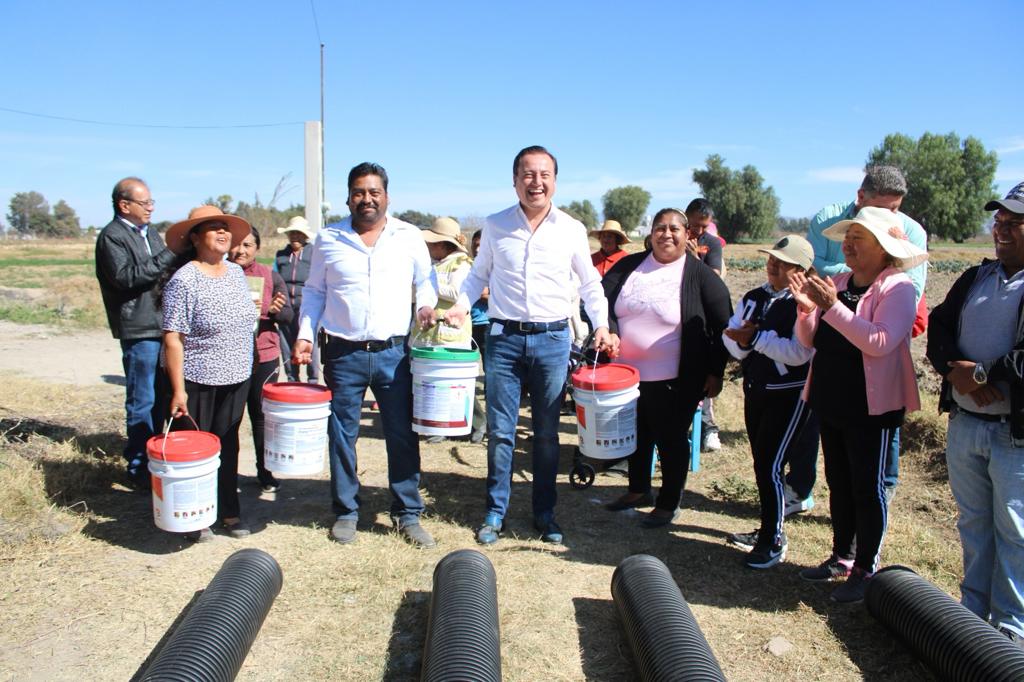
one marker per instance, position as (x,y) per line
(976,342)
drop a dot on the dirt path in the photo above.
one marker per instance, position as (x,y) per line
(82,358)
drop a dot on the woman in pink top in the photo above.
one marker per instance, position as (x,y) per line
(861,383)
(666,311)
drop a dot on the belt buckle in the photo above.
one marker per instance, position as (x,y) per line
(368,346)
(524,327)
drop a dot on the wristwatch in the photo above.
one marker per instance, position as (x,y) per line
(980,375)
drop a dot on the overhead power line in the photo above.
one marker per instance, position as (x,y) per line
(150,125)
(316,23)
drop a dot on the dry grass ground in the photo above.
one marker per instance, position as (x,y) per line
(90,585)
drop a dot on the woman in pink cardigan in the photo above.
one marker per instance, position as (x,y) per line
(861,383)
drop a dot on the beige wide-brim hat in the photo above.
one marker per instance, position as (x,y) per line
(297,224)
(614,227)
(176,236)
(444,230)
(792,249)
(878,221)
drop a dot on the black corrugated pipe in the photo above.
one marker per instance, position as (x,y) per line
(666,640)
(212,641)
(462,632)
(952,641)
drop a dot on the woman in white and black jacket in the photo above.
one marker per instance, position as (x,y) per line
(760,335)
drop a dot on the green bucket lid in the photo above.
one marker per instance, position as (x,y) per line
(446,354)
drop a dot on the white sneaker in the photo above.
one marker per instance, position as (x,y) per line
(712,441)
(796,504)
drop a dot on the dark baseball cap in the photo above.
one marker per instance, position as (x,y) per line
(1013,202)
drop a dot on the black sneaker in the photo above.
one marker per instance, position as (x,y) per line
(1018,640)
(832,568)
(744,540)
(766,554)
(854,588)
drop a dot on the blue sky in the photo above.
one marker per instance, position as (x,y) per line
(443,94)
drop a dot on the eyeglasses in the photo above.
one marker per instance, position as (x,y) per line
(148,203)
(1008,224)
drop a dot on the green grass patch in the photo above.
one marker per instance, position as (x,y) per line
(21,313)
(44,262)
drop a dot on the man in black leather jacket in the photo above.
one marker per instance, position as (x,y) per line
(130,257)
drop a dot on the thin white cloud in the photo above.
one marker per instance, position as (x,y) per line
(1012,146)
(1009,176)
(837,174)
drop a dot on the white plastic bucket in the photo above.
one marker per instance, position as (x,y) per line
(606,398)
(443,382)
(183,468)
(295,428)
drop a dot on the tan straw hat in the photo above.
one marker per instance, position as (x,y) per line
(614,227)
(177,234)
(878,221)
(444,230)
(297,224)
(792,249)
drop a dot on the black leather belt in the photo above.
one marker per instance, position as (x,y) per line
(1003,418)
(517,327)
(368,346)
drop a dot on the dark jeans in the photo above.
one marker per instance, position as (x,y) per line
(218,410)
(775,421)
(663,416)
(144,406)
(538,363)
(348,373)
(803,465)
(262,373)
(855,460)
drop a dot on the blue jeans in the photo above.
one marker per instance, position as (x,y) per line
(143,411)
(986,475)
(348,373)
(539,362)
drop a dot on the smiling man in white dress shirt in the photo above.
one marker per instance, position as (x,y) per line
(360,285)
(527,254)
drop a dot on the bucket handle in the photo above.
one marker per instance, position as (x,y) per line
(167,429)
(473,346)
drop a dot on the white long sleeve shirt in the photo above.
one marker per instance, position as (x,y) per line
(528,271)
(365,293)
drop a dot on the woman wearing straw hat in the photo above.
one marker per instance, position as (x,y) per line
(452,263)
(293,262)
(611,237)
(861,383)
(209,318)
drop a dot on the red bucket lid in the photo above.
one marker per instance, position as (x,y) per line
(610,377)
(183,446)
(297,392)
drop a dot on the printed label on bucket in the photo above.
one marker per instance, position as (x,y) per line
(294,442)
(185,504)
(441,405)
